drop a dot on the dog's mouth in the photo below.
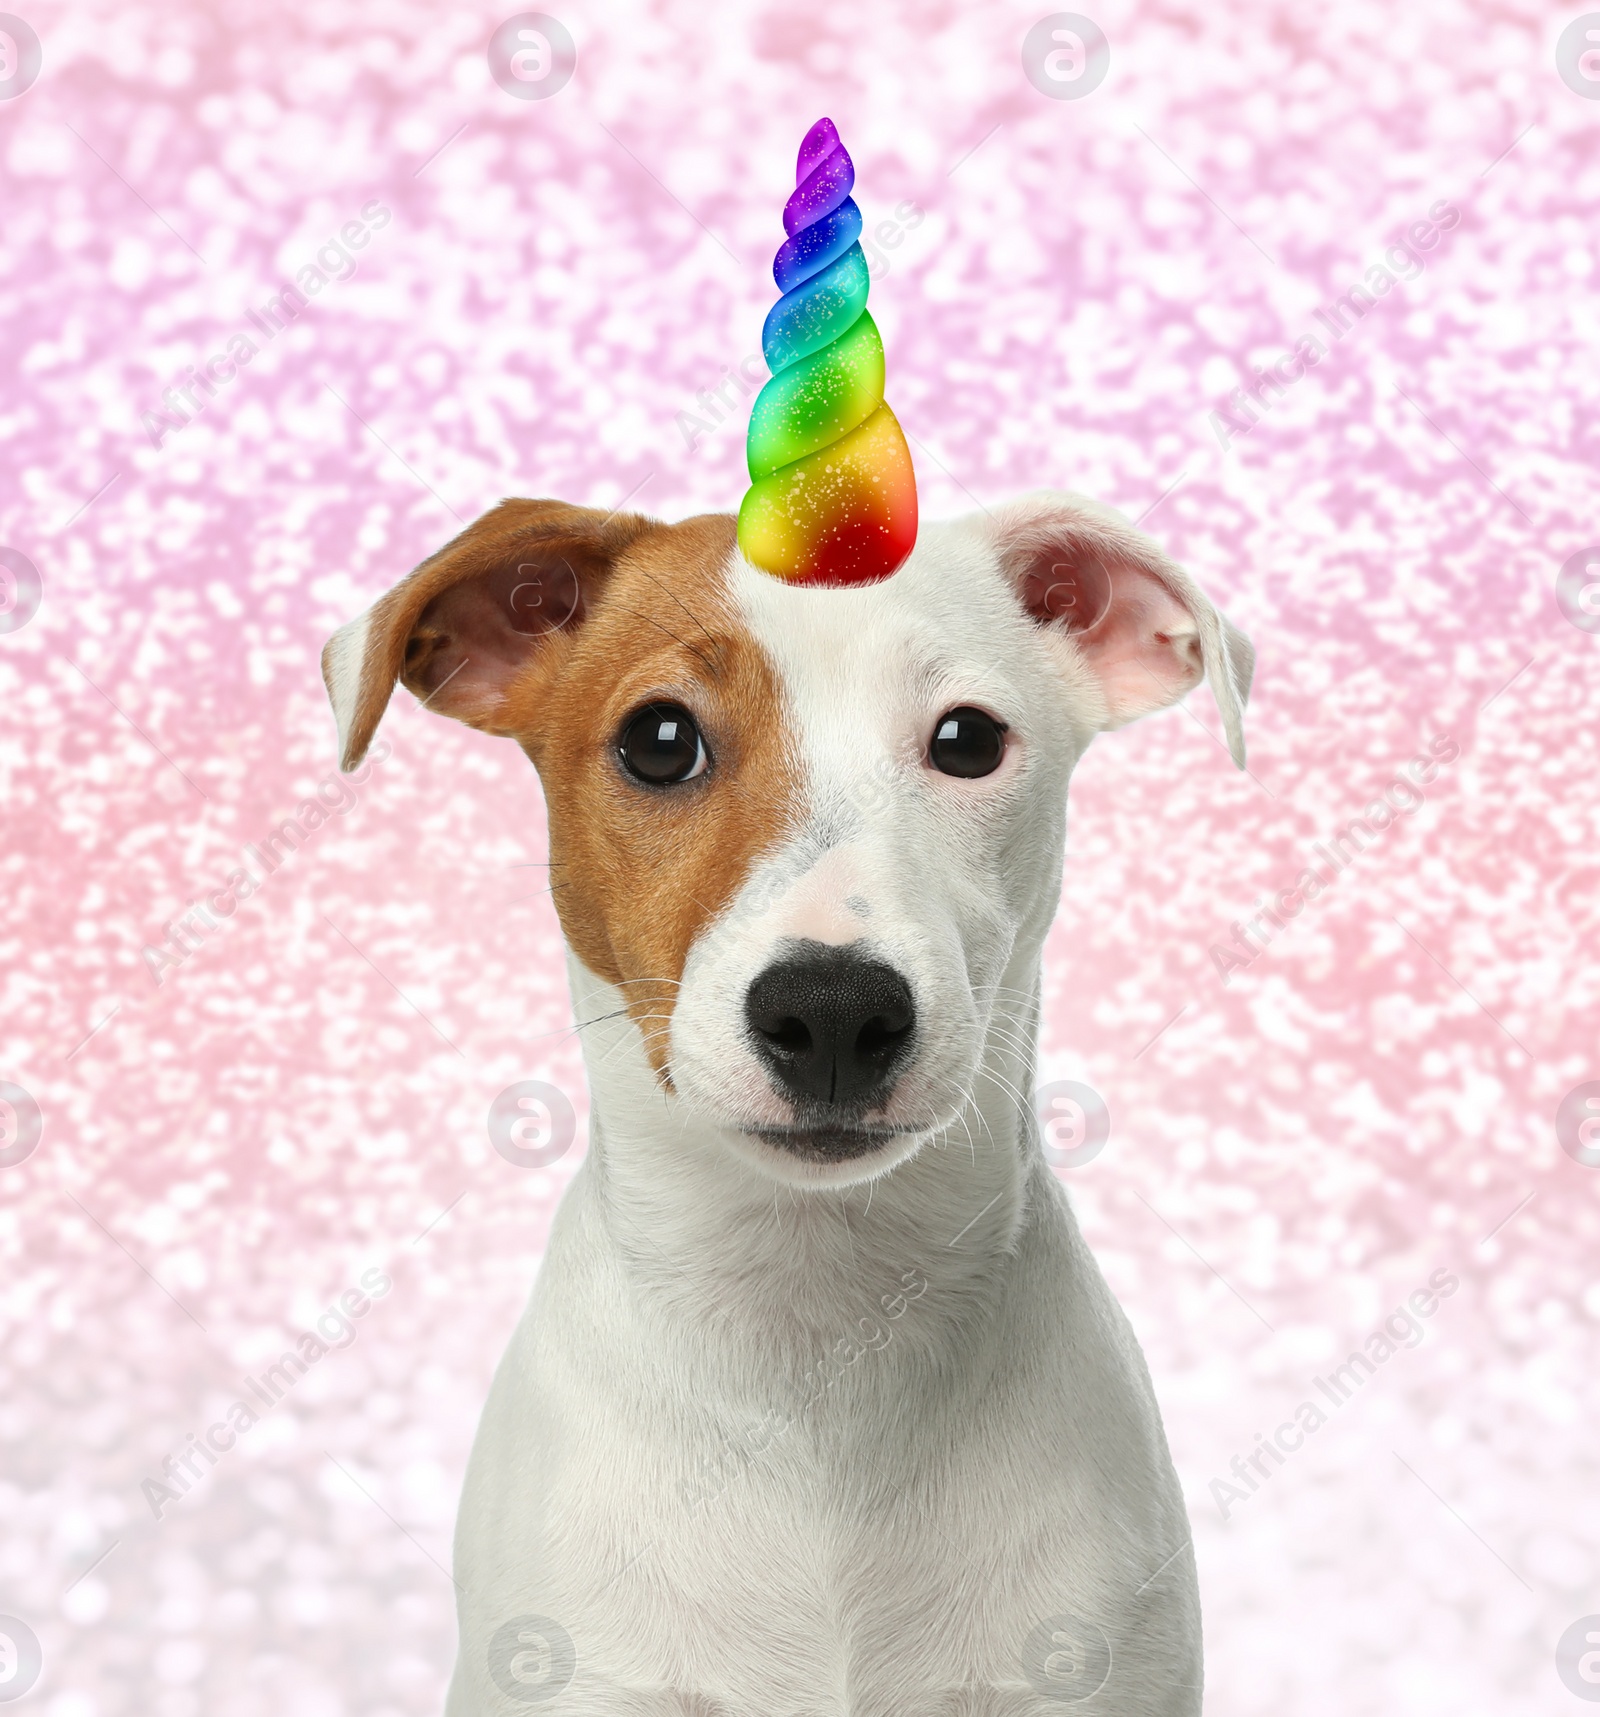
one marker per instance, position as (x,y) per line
(832,1143)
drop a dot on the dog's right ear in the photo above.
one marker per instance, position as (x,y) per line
(463,627)
(1134,619)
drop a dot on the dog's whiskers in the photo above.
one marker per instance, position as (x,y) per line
(599,1019)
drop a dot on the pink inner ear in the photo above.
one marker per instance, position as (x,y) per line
(473,639)
(1146,653)
(1067,586)
(538,597)
(1141,642)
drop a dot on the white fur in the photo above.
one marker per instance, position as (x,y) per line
(651,1474)
(342,660)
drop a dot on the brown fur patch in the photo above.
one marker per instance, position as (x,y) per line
(637,872)
(640,871)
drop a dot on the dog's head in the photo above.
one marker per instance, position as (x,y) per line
(806,833)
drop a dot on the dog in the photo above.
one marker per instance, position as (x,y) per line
(820,1406)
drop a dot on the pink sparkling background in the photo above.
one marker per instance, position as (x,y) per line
(305,1097)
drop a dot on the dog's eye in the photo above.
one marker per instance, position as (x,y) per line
(968,743)
(661,745)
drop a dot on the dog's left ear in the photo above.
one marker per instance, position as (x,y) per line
(471,621)
(1138,622)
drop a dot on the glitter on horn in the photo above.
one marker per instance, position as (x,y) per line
(832,497)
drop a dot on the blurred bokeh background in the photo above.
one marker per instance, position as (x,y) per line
(544,296)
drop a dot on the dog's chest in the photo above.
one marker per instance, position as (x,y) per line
(894,1522)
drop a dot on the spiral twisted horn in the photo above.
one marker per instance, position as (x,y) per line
(832,497)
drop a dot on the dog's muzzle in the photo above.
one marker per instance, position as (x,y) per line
(833,1028)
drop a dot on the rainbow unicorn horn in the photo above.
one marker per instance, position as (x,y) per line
(832,497)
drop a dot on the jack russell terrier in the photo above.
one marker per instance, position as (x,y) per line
(820,1406)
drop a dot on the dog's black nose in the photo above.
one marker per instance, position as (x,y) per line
(831,1025)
